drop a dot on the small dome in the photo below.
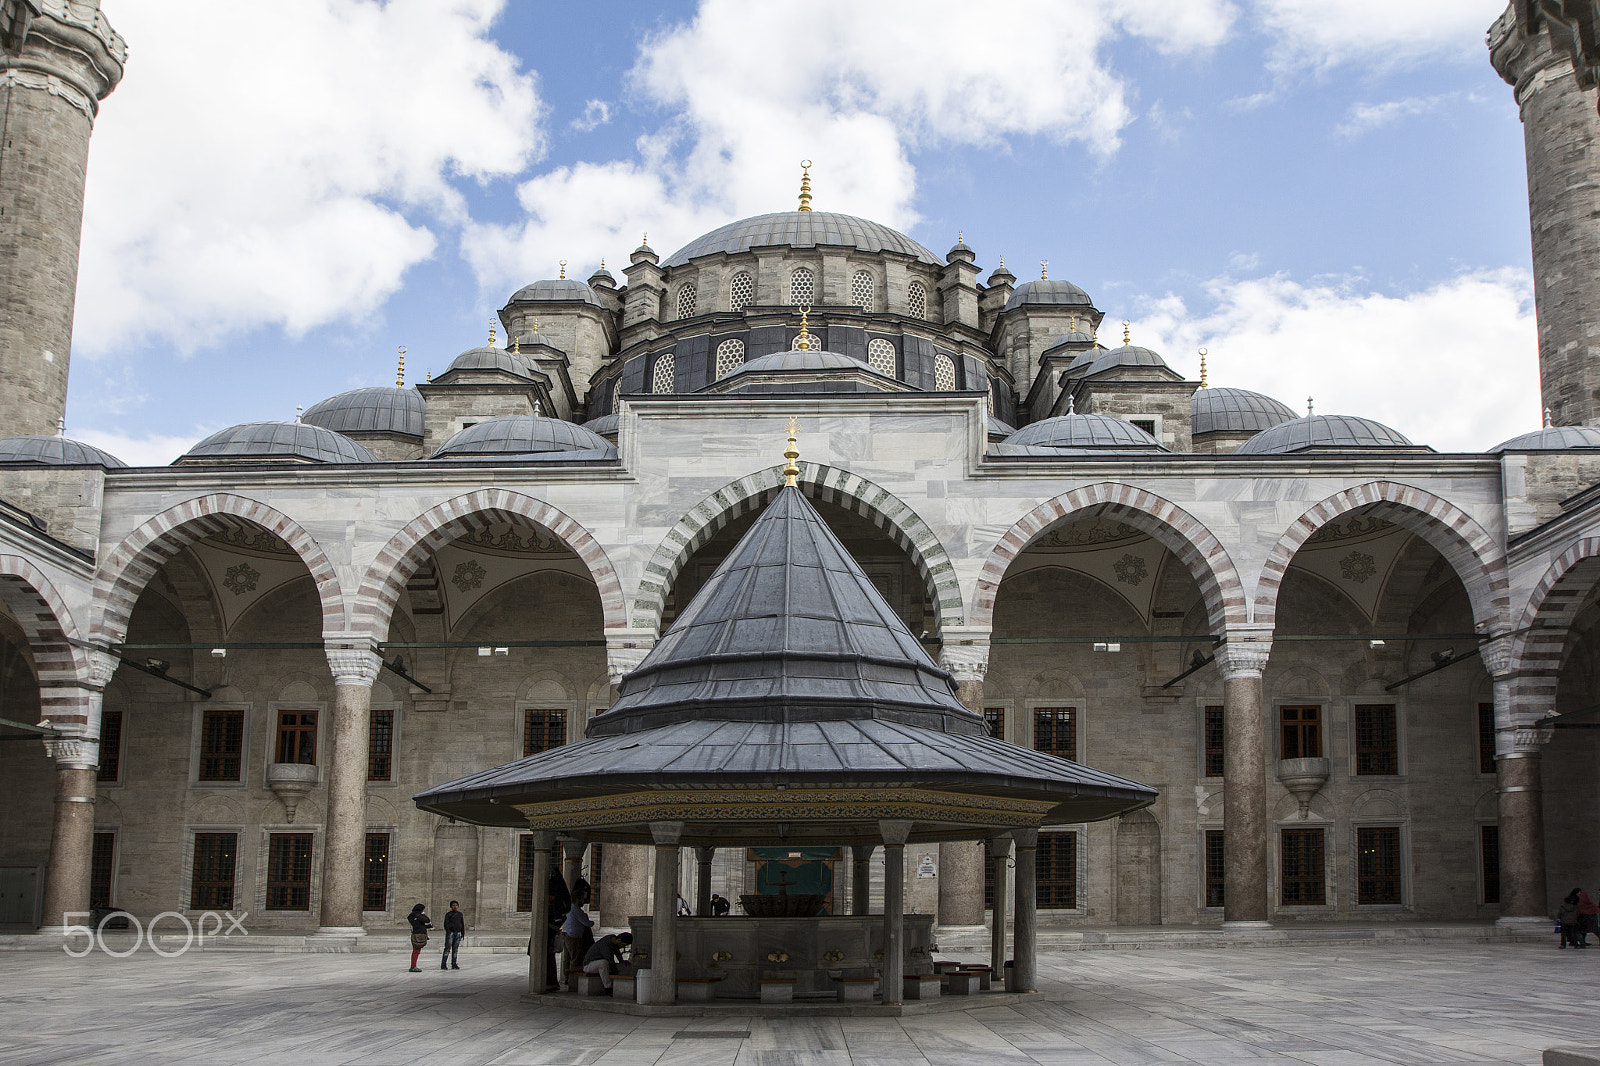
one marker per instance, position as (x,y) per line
(376,410)
(998,430)
(1552,439)
(1127,355)
(602,277)
(795,359)
(812,370)
(562,290)
(1047,293)
(490,357)
(523,435)
(1084,431)
(1236,411)
(279,440)
(802,229)
(55,451)
(604,426)
(1322,431)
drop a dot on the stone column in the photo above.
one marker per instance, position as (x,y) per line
(966,655)
(572,845)
(664,918)
(1244,785)
(894,909)
(1025,938)
(72,707)
(1522,727)
(861,878)
(345,832)
(1000,850)
(702,883)
(624,884)
(539,915)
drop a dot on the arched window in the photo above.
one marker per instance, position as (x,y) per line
(661,380)
(730,356)
(944,373)
(812,339)
(802,288)
(686,301)
(741,290)
(880,356)
(861,290)
(916,300)
(616,395)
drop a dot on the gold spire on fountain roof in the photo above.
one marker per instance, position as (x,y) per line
(1203,368)
(791,453)
(563,264)
(491,333)
(1127,337)
(805,184)
(1044,270)
(400,374)
(803,342)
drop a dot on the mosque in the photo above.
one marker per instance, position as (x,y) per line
(1359,675)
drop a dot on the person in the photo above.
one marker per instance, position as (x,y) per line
(606,955)
(420,924)
(578,931)
(1588,918)
(1567,920)
(455,927)
(558,903)
(683,908)
(719,906)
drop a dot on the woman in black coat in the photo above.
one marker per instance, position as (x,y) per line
(420,924)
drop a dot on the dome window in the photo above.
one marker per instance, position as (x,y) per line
(916,300)
(741,291)
(802,288)
(730,356)
(686,301)
(944,373)
(661,379)
(861,290)
(880,356)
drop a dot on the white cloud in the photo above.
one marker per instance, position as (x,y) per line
(1454,366)
(596,113)
(261,168)
(1364,118)
(138,451)
(1325,33)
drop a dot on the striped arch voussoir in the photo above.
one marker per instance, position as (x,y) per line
(1547,619)
(41,612)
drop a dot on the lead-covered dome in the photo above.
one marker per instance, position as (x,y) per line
(491,357)
(1552,439)
(524,435)
(55,451)
(557,290)
(804,370)
(295,441)
(375,410)
(802,229)
(1126,356)
(1084,431)
(1048,292)
(1323,431)
(1236,411)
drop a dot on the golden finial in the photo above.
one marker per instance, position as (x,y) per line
(961,236)
(400,375)
(1074,324)
(1044,270)
(1126,336)
(1002,262)
(805,184)
(602,262)
(563,265)
(428,375)
(791,453)
(803,344)
(491,333)
(1202,368)
(516,345)
(644,241)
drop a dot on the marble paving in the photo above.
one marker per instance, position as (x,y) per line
(1324,1005)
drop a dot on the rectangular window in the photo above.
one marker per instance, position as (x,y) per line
(1486,738)
(1378,864)
(1146,424)
(1057,871)
(1489,855)
(1377,740)
(289,872)
(375,891)
(102,864)
(110,746)
(1215,864)
(1302,732)
(988,882)
(543,730)
(525,873)
(221,745)
(595,869)
(995,719)
(1303,882)
(1055,732)
(380,747)
(297,737)
(1213,738)
(211,880)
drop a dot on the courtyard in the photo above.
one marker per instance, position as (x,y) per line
(1328,1005)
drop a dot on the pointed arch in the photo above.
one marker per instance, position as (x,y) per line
(1177,530)
(1546,621)
(827,483)
(61,666)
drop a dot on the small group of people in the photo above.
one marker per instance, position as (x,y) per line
(601,957)
(455,928)
(1576,918)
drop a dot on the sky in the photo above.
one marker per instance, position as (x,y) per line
(1329,196)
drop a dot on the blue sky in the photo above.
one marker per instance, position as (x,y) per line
(1328,195)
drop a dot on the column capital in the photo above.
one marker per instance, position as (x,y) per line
(1000,847)
(1522,740)
(74,751)
(1026,836)
(99,667)
(966,662)
(666,834)
(1245,652)
(353,664)
(1496,656)
(625,650)
(705,852)
(543,839)
(895,832)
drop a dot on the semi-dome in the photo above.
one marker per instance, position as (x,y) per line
(55,451)
(279,440)
(805,370)
(605,426)
(383,409)
(491,357)
(1048,292)
(522,435)
(802,229)
(800,359)
(1552,439)
(1236,411)
(558,290)
(1125,356)
(1084,431)
(1323,431)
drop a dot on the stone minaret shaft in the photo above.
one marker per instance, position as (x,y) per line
(1561,129)
(58,60)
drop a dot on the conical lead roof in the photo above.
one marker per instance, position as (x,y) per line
(788,629)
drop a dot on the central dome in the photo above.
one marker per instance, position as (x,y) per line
(802,229)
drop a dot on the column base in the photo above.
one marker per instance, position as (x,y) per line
(339,930)
(1520,922)
(984,928)
(1245,927)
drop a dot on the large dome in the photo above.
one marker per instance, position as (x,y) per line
(1236,411)
(1084,431)
(377,410)
(1048,293)
(802,229)
(1552,439)
(279,440)
(557,290)
(523,435)
(1323,431)
(55,451)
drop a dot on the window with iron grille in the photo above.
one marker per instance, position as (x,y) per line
(1055,731)
(211,878)
(988,881)
(221,745)
(595,868)
(375,885)
(525,873)
(687,297)
(1303,883)
(802,287)
(1146,424)
(297,736)
(289,872)
(102,865)
(741,291)
(1377,740)
(1378,864)
(944,373)
(916,300)
(730,357)
(995,719)
(661,380)
(1489,857)
(1057,871)
(1215,865)
(1302,732)
(380,747)
(542,730)
(880,356)
(110,746)
(1486,738)
(1215,760)
(861,290)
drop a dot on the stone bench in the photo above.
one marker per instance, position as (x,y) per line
(777,989)
(623,986)
(922,986)
(697,989)
(856,989)
(961,983)
(985,976)
(588,984)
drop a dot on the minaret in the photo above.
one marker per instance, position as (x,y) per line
(1561,130)
(58,60)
